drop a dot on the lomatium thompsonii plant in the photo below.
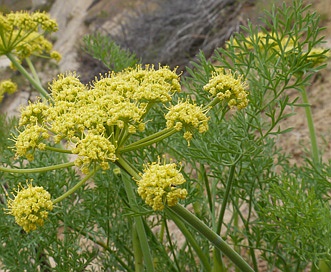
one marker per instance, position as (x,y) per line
(110,164)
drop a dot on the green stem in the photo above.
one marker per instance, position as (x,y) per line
(122,137)
(138,220)
(33,82)
(311,127)
(37,170)
(76,187)
(33,70)
(189,238)
(127,167)
(138,254)
(225,199)
(60,150)
(218,264)
(162,229)
(235,224)
(247,227)
(203,176)
(214,238)
(154,138)
(211,104)
(172,248)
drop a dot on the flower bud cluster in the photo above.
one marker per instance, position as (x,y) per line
(22,34)
(187,116)
(283,44)
(94,148)
(158,185)
(228,88)
(94,117)
(7,86)
(30,207)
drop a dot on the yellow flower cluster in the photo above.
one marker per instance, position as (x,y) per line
(30,207)
(7,86)
(158,185)
(29,139)
(21,33)
(318,55)
(66,87)
(282,44)
(188,116)
(144,85)
(262,39)
(94,148)
(94,117)
(228,88)
(33,113)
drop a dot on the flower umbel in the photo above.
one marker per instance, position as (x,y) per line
(228,88)
(98,118)
(30,139)
(188,116)
(94,148)
(21,33)
(158,185)
(7,86)
(30,207)
(318,55)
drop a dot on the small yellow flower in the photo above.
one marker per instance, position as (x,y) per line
(94,117)
(142,85)
(227,87)
(33,113)
(22,33)
(156,85)
(318,55)
(30,207)
(56,56)
(29,140)
(94,148)
(46,23)
(263,40)
(188,116)
(188,136)
(7,86)
(158,185)
(66,87)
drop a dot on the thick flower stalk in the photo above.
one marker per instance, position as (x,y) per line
(22,34)
(30,207)
(228,87)
(158,185)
